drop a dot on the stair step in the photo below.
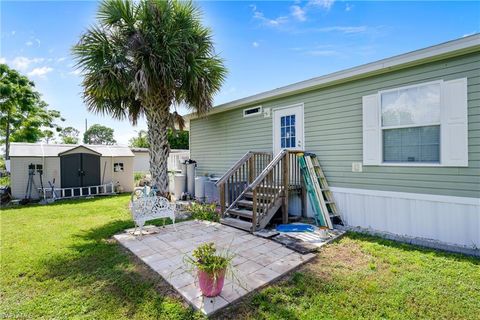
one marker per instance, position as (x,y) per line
(245,203)
(241,213)
(237,223)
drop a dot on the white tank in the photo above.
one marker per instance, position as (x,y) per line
(180,184)
(191,178)
(183,168)
(200,188)
(171,182)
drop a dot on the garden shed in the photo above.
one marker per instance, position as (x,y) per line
(70,166)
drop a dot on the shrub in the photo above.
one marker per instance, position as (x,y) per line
(207,212)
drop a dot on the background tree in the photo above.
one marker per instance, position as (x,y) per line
(98,134)
(140,141)
(176,139)
(69,135)
(144,59)
(24,117)
(48,136)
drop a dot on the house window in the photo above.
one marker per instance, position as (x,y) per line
(410,124)
(118,167)
(287,131)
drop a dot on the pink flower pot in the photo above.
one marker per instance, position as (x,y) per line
(210,286)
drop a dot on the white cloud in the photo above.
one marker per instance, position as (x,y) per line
(348,7)
(255,44)
(258,15)
(76,72)
(3,60)
(324,4)
(61,59)
(22,63)
(40,72)
(31,42)
(343,29)
(322,53)
(298,13)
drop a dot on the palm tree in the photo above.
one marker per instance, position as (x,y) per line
(146,59)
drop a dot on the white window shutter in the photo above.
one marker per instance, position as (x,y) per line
(454,124)
(371,131)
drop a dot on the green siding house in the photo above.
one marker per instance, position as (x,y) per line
(398,139)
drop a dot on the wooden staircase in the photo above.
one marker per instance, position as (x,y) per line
(256,187)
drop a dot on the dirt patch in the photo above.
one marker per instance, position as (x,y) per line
(342,257)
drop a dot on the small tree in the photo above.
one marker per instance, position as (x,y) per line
(24,117)
(98,134)
(178,139)
(69,135)
(140,141)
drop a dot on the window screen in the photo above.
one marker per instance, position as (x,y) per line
(416,144)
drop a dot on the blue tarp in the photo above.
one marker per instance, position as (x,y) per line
(295,228)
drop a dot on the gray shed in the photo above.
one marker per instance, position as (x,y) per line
(71,166)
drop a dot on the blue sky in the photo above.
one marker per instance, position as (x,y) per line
(265,44)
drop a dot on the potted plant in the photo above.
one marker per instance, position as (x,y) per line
(211,268)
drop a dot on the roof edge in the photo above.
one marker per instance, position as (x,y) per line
(79,146)
(440,51)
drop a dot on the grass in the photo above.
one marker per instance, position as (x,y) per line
(362,277)
(59,261)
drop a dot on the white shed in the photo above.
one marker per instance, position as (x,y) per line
(71,166)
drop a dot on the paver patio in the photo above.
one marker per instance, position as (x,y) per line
(257,261)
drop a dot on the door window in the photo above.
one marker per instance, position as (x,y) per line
(287,131)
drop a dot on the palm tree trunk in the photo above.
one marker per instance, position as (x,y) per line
(159,150)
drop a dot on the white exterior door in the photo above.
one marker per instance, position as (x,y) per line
(288,128)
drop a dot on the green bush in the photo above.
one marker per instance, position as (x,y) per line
(207,212)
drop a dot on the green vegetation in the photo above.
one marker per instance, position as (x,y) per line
(98,134)
(24,116)
(144,59)
(205,258)
(177,139)
(362,277)
(5,181)
(207,212)
(59,261)
(69,135)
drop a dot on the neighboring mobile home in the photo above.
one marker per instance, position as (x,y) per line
(398,139)
(71,166)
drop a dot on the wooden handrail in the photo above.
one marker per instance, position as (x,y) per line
(234,168)
(267,169)
(233,183)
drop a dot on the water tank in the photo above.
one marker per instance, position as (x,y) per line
(180,185)
(191,178)
(183,168)
(200,188)
(211,191)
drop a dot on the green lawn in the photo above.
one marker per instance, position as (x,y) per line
(59,261)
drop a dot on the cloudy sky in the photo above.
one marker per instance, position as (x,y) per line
(265,44)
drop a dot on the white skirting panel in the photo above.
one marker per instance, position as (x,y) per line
(450,220)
